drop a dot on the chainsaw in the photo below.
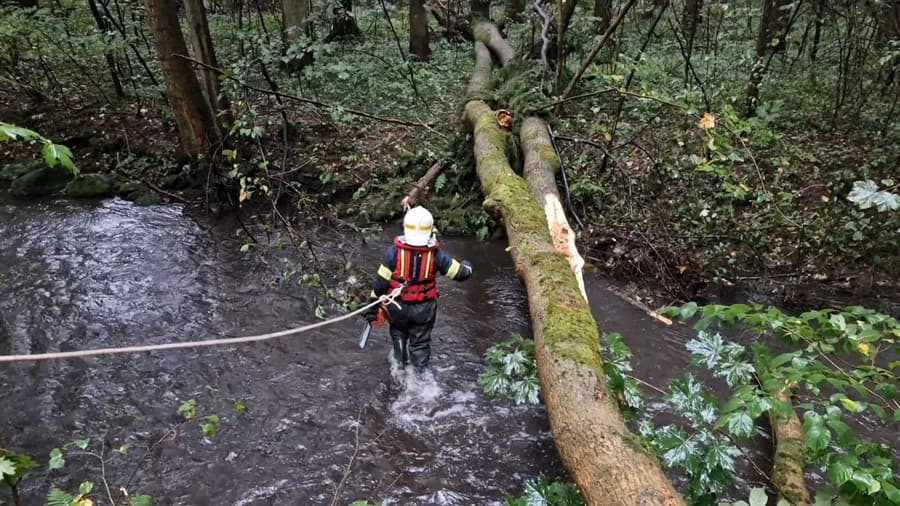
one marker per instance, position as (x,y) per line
(380,318)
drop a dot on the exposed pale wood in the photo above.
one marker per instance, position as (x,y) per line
(541,166)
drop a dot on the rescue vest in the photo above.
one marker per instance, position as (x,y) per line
(415,268)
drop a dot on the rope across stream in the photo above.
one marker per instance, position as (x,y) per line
(384,299)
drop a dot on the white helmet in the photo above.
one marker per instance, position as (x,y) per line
(418,226)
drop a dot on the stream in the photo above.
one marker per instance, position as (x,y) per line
(324,423)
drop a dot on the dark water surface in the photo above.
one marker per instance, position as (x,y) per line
(82,275)
(76,275)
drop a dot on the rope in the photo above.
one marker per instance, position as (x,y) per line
(384,299)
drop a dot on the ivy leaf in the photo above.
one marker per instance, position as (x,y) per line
(81,444)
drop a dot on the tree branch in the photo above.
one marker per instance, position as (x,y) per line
(311,101)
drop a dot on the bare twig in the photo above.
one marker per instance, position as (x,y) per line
(157,189)
(597,47)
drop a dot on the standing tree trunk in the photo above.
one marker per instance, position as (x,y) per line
(295,15)
(204,51)
(603,9)
(418,30)
(889,24)
(773,28)
(817,32)
(481,9)
(690,20)
(344,24)
(193,116)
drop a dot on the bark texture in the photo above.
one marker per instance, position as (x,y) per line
(418,30)
(787,466)
(490,36)
(296,18)
(204,51)
(480,81)
(193,117)
(541,166)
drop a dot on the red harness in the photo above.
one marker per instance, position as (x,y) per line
(415,268)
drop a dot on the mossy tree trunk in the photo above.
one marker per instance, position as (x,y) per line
(789,453)
(541,166)
(491,37)
(607,462)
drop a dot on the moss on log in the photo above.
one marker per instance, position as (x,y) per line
(541,166)
(480,81)
(789,458)
(607,462)
(487,32)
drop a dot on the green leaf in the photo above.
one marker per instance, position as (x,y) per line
(839,473)
(7,468)
(758,497)
(815,435)
(688,310)
(51,157)
(239,407)
(140,500)
(865,481)
(209,430)
(81,444)
(85,488)
(188,409)
(740,424)
(57,461)
(57,497)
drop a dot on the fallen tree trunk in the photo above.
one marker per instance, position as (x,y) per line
(607,462)
(541,166)
(789,458)
(480,81)
(489,34)
(412,197)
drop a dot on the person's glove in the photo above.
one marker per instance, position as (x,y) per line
(468,265)
(371,314)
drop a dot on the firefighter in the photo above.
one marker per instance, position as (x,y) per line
(413,261)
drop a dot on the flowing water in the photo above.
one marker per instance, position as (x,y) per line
(324,423)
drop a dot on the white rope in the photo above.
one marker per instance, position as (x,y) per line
(384,299)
